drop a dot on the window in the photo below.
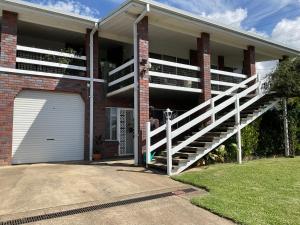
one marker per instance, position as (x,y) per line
(111,124)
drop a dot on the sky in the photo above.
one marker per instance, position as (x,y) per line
(278,20)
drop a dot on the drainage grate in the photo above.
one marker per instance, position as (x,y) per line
(93,208)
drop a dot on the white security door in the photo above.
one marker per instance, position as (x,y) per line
(47,127)
(126,131)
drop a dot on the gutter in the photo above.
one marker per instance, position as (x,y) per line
(136,86)
(91,133)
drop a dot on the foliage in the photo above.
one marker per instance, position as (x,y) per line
(294,125)
(271,140)
(260,192)
(286,78)
(250,137)
(98,144)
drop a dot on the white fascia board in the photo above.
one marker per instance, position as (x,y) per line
(23,4)
(218,26)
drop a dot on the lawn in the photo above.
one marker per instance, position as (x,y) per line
(265,191)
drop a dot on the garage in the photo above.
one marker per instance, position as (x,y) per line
(47,127)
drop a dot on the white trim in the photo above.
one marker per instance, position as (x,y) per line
(121,67)
(175,88)
(173,76)
(121,79)
(49,52)
(213,92)
(224,73)
(120,90)
(52,64)
(174,64)
(43,74)
(223,83)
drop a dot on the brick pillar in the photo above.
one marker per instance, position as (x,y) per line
(8,39)
(143,84)
(249,61)
(204,62)
(96,53)
(221,63)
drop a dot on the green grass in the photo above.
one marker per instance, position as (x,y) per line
(260,192)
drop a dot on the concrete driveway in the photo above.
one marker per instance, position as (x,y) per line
(33,190)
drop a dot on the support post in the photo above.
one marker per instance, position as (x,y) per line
(238,126)
(148,143)
(286,129)
(168,114)
(204,62)
(136,83)
(212,105)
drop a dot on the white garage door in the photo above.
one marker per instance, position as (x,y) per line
(47,127)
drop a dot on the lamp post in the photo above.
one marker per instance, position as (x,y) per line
(168,115)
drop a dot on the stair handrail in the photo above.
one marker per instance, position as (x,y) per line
(214,110)
(162,128)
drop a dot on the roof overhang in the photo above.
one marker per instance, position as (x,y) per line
(45,16)
(118,25)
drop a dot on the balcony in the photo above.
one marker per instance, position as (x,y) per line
(173,76)
(42,62)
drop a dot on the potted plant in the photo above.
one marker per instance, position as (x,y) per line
(98,147)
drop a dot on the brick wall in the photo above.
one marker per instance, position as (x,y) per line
(249,61)
(11,85)
(143,95)
(8,39)
(204,62)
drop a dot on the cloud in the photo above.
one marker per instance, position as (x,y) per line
(265,68)
(233,18)
(288,32)
(69,6)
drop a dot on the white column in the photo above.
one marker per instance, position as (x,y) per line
(168,115)
(148,143)
(238,127)
(286,129)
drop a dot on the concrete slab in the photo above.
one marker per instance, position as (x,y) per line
(31,190)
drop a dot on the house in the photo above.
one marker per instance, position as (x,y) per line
(68,80)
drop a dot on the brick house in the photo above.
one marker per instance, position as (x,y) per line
(67,80)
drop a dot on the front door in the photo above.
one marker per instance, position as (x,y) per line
(126,131)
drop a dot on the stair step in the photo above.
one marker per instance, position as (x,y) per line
(175,161)
(203,138)
(192,149)
(185,155)
(161,166)
(198,143)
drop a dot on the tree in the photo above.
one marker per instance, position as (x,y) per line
(285,81)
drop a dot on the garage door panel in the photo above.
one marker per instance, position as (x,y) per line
(48,127)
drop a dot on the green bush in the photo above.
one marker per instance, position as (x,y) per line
(250,137)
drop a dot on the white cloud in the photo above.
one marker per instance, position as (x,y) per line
(265,68)
(232,18)
(288,32)
(70,6)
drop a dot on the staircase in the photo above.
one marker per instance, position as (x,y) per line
(179,144)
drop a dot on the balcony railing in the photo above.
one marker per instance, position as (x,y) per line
(121,78)
(42,62)
(172,76)
(222,80)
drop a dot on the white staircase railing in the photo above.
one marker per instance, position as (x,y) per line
(254,90)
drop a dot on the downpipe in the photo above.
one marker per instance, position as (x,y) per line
(91,132)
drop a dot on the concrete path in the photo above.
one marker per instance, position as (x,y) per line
(31,190)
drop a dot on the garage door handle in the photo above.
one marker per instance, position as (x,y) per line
(50,139)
